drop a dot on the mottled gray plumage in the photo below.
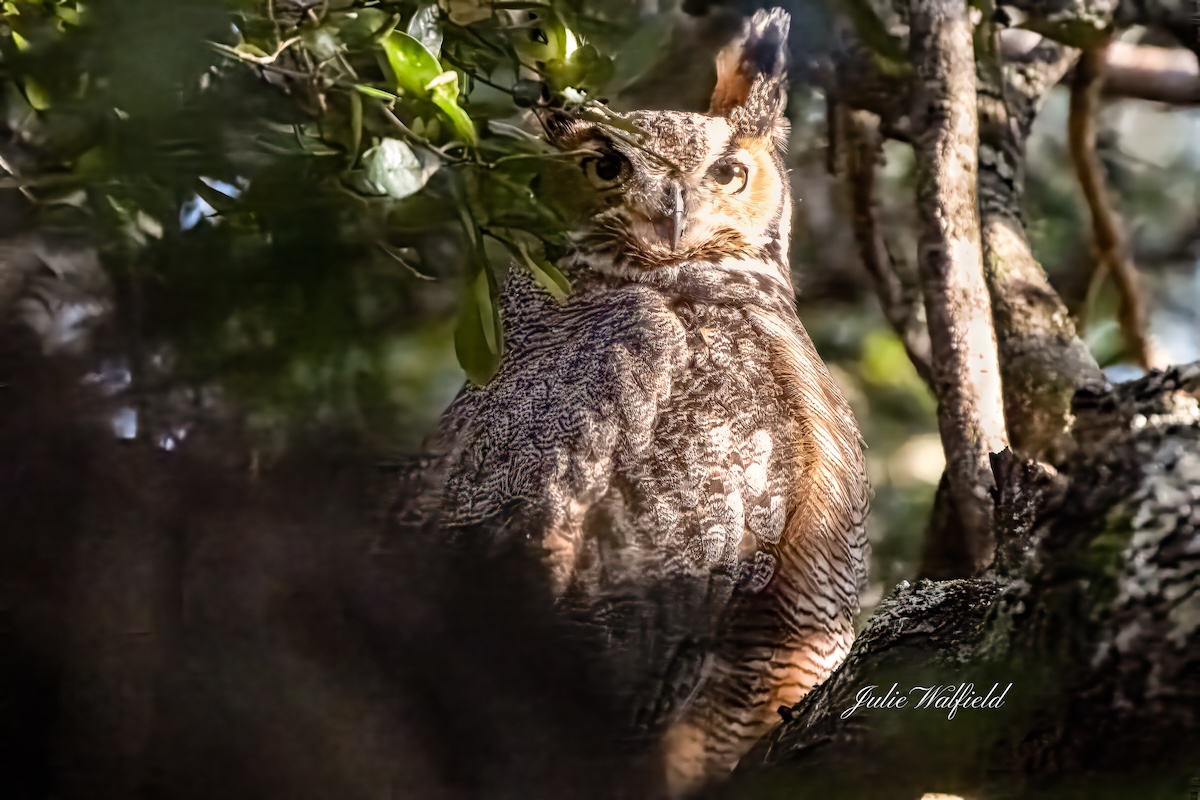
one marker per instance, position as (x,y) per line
(667,440)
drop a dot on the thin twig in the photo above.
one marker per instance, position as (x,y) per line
(416,138)
(476,76)
(1143,72)
(402,261)
(602,115)
(260,60)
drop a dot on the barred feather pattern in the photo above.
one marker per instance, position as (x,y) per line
(667,443)
(685,466)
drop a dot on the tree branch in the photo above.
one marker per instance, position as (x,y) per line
(901,302)
(861,80)
(1043,360)
(1160,74)
(1085,24)
(1133,71)
(1108,237)
(966,364)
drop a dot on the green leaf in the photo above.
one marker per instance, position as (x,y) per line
(642,50)
(252,50)
(464,208)
(489,313)
(548,276)
(413,66)
(552,272)
(322,43)
(445,97)
(38,98)
(545,273)
(556,43)
(419,214)
(420,75)
(394,169)
(361,26)
(433,129)
(595,70)
(476,336)
(371,91)
(523,5)
(68,15)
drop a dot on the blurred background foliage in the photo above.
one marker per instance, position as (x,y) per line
(255,226)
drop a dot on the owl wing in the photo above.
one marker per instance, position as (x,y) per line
(777,643)
(577,395)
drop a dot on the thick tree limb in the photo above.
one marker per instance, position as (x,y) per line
(1134,71)
(1086,23)
(864,74)
(1092,613)
(1160,74)
(1092,608)
(859,79)
(966,366)
(1043,360)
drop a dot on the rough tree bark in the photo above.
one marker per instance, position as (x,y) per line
(1043,362)
(966,371)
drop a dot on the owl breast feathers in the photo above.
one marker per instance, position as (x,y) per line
(667,441)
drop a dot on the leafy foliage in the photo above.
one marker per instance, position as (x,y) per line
(288,183)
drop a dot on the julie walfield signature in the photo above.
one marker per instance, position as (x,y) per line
(949,697)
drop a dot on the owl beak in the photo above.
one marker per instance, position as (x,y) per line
(676,215)
(668,218)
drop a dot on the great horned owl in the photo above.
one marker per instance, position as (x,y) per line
(667,441)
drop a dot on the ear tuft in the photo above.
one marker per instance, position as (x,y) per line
(562,129)
(752,69)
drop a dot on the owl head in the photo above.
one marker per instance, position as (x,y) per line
(676,189)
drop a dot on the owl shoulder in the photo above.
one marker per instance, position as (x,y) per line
(594,317)
(579,391)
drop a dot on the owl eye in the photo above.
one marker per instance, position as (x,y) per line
(730,176)
(604,171)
